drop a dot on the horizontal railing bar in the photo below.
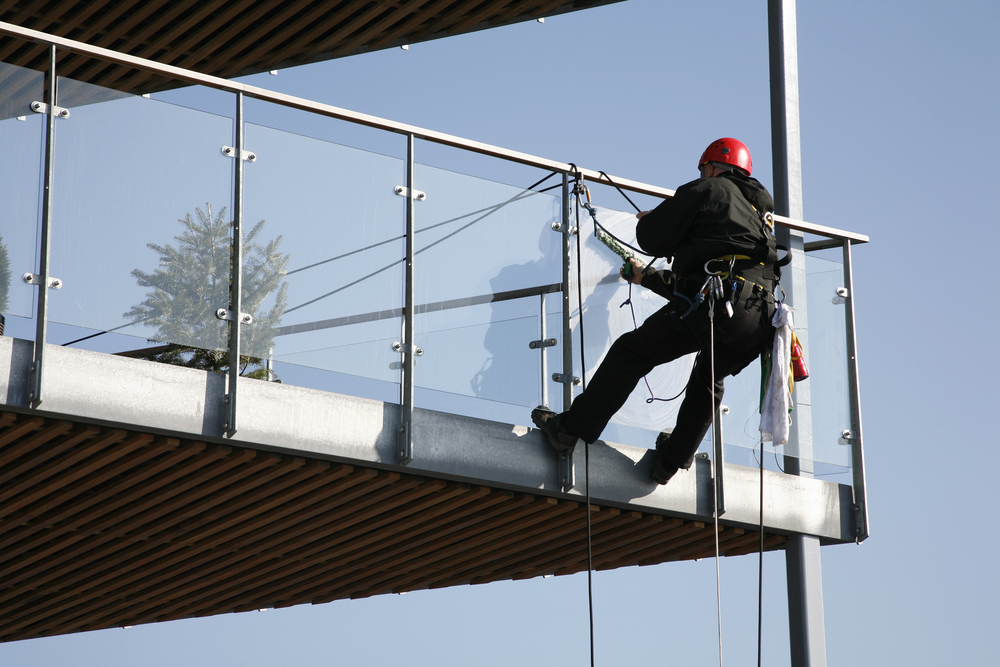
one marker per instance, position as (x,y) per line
(302,104)
(419,309)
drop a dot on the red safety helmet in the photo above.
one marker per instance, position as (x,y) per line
(728,151)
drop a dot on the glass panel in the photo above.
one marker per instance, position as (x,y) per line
(485,252)
(826,356)
(141,218)
(22,136)
(332,214)
(609,308)
(612,309)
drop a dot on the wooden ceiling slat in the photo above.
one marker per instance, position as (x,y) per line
(54,524)
(39,454)
(387,24)
(43,466)
(176,19)
(702,545)
(438,570)
(430,15)
(246,27)
(120,572)
(83,461)
(22,428)
(495,509)
(443,544)
(36,516)
(362,484)
(293,566)
(230,48)
(72,517)
(329,40)
(104,528)
(299,579)
(686,531)
(561,549)
(249,565)
(630,527)
(120,581)
(246,54)
(481,14)
(124,575)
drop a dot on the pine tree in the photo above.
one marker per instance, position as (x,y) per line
(192,282)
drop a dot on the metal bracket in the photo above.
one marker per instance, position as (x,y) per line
(229,151)
(559,377)
(42,107)
(407,349)
(567,473)
(230,316)
(403,191)
(35,279)
(558,227)
(843,294)
(537,344)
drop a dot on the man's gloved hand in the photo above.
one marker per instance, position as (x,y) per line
(632,271)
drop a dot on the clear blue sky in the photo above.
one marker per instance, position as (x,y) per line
(899,109)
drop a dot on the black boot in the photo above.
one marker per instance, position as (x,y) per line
(662,470)
(550,424)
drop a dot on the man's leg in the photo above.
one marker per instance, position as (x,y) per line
(700,404)
(632,356)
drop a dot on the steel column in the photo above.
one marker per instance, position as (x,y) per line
(408,348)
(236,276)
(42,314)
(802,557)
(566,475)
(853,388)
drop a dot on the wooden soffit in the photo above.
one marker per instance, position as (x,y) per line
(104,527)
(229,38)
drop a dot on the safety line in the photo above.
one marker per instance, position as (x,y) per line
(760,564)
(490,211)
(586,445)
(715,460)
(523,194)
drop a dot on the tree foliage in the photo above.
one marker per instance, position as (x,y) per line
(192,282)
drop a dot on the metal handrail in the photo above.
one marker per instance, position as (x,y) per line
(379,123)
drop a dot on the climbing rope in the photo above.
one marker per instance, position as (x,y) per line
(586,445)
(714,290)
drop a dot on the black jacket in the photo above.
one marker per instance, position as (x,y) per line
(705,219)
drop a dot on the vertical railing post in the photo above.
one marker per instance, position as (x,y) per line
(545,365)
(854,396)
(566,474)
(42,278)
(408,347)
(236,276)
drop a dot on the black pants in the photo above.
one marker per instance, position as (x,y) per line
(663,337)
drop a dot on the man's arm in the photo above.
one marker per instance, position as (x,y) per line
(660,282)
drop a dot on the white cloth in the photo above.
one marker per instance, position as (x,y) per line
(774,419)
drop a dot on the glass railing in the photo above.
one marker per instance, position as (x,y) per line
(22,133)
(485,254)
(142,219)
(332,215)
(143,210)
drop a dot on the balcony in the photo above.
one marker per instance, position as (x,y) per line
(407,309)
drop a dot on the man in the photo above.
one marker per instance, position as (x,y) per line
(719,219)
